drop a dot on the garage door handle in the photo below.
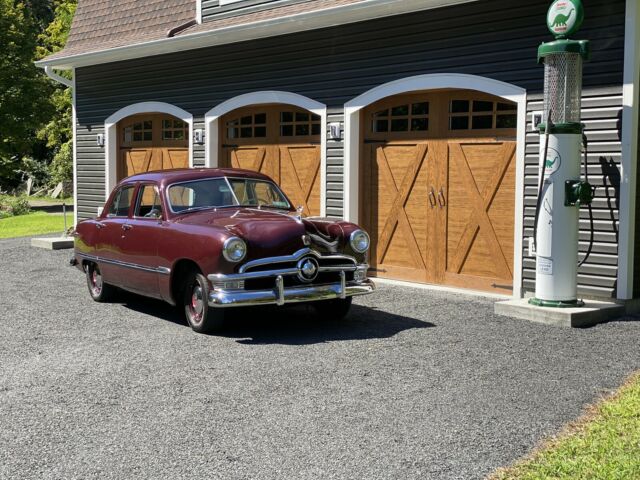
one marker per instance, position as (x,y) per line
(432,197)
(441,200)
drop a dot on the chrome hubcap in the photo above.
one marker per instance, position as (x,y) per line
(197,303)
(96,281)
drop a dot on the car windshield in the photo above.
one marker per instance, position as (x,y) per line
(225,192)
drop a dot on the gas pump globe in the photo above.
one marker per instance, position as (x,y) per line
(560,192)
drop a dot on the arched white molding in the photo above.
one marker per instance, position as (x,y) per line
(430,82)
(212,129)
(111,134)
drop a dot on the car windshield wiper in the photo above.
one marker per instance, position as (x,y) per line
(195,209)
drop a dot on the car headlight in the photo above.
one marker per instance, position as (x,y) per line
(359,241)
(234,249)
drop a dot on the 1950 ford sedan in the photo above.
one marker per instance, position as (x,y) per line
(211,239)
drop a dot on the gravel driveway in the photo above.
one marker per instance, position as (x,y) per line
(417,384)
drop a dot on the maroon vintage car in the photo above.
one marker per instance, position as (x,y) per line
(219,238)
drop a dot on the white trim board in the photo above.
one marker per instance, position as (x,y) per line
(327,17)
(431,82)
(111,135)
(629,145)
(212,127)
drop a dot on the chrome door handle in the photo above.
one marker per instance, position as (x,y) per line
(441,200)
(432,198)
(99,225)
(126,226)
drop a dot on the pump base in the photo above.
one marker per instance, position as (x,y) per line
(556,303)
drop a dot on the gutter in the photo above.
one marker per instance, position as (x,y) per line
(48,69)
(328,17)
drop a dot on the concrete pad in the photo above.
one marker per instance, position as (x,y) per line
(593,312)
(52,243)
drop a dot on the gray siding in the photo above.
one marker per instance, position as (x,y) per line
(212,10)
(336,64)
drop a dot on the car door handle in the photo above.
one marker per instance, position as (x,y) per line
(99,225)
(126,226)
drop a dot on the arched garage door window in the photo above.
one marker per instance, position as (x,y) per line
(281,141)
(148,142)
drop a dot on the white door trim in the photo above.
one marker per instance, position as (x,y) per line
(212,130)
(111,135)
(431,82)
(629,144)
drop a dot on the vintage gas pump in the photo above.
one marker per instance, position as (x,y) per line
(561,192)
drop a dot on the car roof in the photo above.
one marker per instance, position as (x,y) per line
(166,177)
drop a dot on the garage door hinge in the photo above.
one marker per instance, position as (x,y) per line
(366,140)
(226,145)
(506,287)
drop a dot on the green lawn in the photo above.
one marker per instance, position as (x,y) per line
(37,223)
(604,444)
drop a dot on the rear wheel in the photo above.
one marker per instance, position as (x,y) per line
(333,309)
(200,317)
(99,291)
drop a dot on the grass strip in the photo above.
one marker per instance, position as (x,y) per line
(37,223)
(603,444)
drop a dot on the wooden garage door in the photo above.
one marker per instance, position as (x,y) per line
(280,141)
(438,188)
(152,142)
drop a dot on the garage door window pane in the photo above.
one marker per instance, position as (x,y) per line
(245,132)
(401,110)
(246,120)
(302,117)
(421,108)
(380,126)
(400,125)
(482,122)
(260,118)
(459,123)
(286,130)
(315,129)
(419,124)
(482,106)
(286,117)
(381,113)
(302,129)
(459,106)
(506,121)
(260,132)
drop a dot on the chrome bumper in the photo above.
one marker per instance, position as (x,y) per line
(281,295)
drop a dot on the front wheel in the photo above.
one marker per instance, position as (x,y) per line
(200,317)
(336,309)
(99,291)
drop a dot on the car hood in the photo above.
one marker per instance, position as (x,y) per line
(266,232)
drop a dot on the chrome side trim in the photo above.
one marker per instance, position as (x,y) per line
(135,266)
(282,296)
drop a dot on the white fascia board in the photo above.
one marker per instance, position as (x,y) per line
(328,17)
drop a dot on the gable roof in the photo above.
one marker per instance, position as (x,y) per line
(112,30)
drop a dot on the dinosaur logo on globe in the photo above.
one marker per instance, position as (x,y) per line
(565,17)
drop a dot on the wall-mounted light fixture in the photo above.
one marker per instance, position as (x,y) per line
(100,139)
(335,131)
(198,136)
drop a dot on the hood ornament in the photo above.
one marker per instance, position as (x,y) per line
(299,211)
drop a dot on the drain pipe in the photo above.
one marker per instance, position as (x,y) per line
(57,77)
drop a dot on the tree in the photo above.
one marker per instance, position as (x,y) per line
(24,91)
(57,132)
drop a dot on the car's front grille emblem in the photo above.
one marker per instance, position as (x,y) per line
(308,269)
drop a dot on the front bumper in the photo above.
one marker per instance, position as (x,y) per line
(282,295)
(342,277)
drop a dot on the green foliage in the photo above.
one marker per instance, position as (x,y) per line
(13,206)
(24,91)
(35,112)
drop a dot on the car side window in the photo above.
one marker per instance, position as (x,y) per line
(149,205)
(121,202)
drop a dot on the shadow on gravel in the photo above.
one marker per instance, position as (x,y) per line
(290,325)
(300,325)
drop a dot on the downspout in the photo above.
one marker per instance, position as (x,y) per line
(56,77)
(183,26)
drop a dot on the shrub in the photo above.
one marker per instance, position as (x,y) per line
(13,206)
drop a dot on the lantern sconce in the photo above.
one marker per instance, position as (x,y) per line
(198,136)
(335,131)
(100,139)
